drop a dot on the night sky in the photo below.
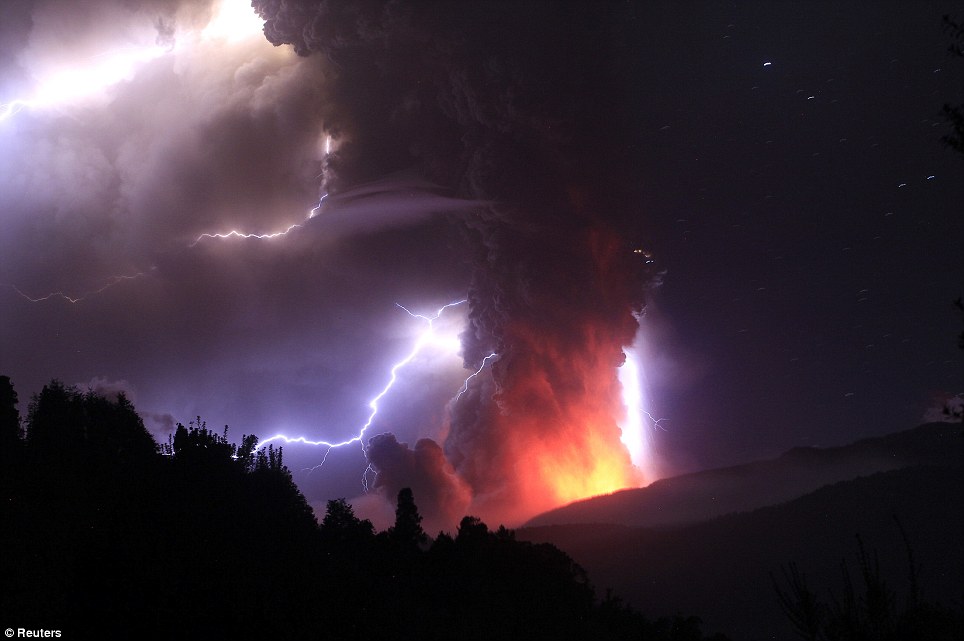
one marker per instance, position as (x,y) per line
(779,165)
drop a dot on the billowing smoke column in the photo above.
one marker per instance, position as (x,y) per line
(516,104)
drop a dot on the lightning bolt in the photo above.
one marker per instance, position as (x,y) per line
(314,210)
(427,337)
(231,20)
(465,386)
(13,107)
(634,402)
(240,234)
(69,86)
(76,299)
(72,85)
(420,342)
(656,421)
(118,279)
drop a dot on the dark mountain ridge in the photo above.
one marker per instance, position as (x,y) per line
(722,566)
(695,497)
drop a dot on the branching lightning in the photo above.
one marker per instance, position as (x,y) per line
(72,86)
(122,278)
(655,421)
(428,337)
(423,339)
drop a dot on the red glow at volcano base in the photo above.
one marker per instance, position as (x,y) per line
(558,416)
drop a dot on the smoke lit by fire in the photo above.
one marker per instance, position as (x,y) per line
(556,289)
(508,146)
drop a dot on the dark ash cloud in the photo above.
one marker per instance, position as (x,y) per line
(519,105)
(443,496)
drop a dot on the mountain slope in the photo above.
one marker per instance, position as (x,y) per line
(695,497)
(720,569)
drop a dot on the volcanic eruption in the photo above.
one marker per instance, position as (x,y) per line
(517,108)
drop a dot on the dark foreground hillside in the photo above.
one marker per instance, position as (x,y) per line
(107,535)
(722,567)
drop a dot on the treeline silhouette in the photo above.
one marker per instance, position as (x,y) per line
(866,609)
(107,534)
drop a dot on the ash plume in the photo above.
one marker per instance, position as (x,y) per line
(425,470)
(516,105)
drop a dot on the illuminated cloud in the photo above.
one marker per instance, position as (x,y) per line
(228,226)
(128,147)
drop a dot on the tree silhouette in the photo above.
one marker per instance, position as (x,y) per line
(472,531)
(407,531)
(203,538)
(867,609)
(114,428)
(197,445)
(55,418)
(10,430)
(89,429)
(800,604)
(341,527)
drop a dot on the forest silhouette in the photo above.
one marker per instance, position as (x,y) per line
(108,534)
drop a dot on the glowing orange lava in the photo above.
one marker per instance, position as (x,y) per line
(560,413)
(596,467)
(552,436)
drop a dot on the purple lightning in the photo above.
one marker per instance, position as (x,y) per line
(70,85)
(240,234)
(423,339)
(427,337)
(465,385)
(231,20)
(634,433)
(113,280)
(13,107)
